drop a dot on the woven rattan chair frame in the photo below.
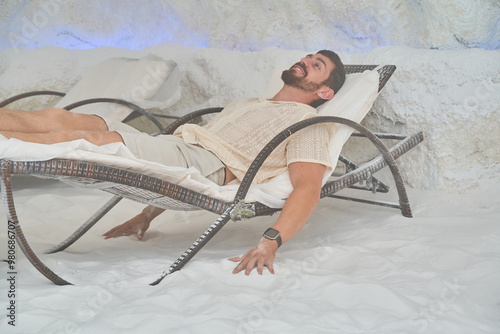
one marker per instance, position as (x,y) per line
(151,190)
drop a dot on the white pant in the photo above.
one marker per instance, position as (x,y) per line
(169,150)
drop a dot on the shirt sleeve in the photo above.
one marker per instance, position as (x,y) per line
(309,145)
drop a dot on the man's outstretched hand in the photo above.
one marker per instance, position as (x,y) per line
(258,257)
(137,225)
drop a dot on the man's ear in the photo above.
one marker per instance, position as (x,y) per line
(326,93)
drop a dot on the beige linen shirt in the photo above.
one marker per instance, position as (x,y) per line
(238,133)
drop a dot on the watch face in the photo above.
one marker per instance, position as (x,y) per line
(271,233)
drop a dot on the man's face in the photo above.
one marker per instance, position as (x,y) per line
(309,74)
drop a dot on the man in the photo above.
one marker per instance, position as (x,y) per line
(223,149)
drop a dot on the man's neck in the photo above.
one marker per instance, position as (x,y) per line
(292,94)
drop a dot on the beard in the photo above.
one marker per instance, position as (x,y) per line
(290,79)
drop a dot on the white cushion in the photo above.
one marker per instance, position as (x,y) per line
(150,82)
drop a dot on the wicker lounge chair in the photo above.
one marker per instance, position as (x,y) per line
(155,191)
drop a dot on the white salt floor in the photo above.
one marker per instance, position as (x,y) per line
(352,269)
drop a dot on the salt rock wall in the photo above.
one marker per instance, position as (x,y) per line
(350,26)
(447,82)
(452,96)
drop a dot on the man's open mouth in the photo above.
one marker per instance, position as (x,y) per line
(300,68)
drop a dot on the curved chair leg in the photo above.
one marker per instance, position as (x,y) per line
(371,167)
(6,185)
(404,203)
(86,226)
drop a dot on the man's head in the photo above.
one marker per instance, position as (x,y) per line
(322,74)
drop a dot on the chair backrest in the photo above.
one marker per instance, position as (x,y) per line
(385,72)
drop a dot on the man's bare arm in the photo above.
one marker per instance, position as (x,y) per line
(306,180)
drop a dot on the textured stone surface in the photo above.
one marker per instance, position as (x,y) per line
(351,26)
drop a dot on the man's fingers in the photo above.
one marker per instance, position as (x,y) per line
(270,267)
(249,267)
(248,262)
(238,268)
(113,233)
(110,232)
(136,226)
(242,265)
(260,266)
(116,234)
(125,230)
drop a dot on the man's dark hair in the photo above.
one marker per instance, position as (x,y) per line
(337,76)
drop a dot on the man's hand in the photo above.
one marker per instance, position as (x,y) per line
(306,180)
(137,225)
(260,256)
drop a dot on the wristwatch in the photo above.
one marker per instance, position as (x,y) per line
(273,234)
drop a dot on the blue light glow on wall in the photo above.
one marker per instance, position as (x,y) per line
(130,26)
(230,24)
